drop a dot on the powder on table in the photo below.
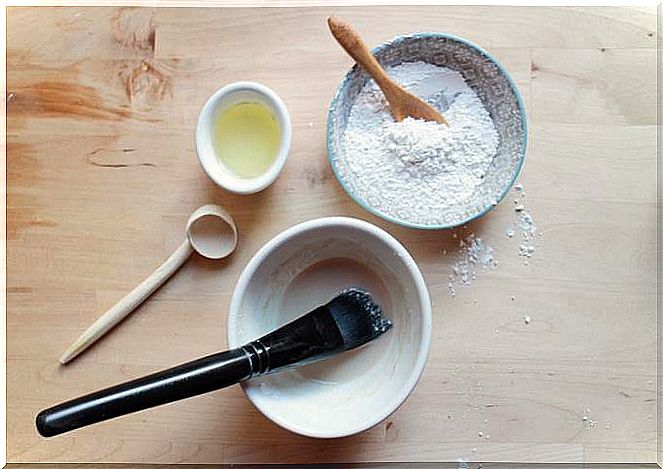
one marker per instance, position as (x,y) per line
(414,170)
(472,253)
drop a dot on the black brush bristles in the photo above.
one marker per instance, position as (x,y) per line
(348,321)
(358,318)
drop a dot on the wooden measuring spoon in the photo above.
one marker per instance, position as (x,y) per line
(401,103)
(210,231)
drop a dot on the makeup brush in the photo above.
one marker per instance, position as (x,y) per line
(348,321)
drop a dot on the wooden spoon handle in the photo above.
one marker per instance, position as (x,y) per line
(348,38)
(126,305)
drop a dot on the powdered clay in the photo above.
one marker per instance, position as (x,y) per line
(413,170)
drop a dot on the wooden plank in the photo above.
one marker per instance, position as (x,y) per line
(604,89)
(72,34)
(488,26)
(102,176)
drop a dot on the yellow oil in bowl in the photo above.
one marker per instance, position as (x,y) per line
(246,139)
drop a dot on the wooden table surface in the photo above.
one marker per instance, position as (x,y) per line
(102,174)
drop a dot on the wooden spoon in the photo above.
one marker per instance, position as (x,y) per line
(210,231)
(401,103)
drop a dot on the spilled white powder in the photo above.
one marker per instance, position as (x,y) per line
(415,170)
(473,253)
(476,252)
(524,223)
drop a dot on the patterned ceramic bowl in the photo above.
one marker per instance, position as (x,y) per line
(485,75)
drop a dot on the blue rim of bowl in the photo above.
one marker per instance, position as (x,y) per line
(391,43)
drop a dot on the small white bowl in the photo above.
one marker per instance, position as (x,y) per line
(241,91)
(305,266)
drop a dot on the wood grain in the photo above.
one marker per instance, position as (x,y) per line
(102,175)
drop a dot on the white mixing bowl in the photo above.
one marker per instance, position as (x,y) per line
(304,267)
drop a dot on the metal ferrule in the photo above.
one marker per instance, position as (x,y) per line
(258,355)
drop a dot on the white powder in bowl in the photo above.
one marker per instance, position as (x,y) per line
(415,170)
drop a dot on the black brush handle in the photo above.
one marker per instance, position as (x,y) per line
(311,337)
(189,379)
